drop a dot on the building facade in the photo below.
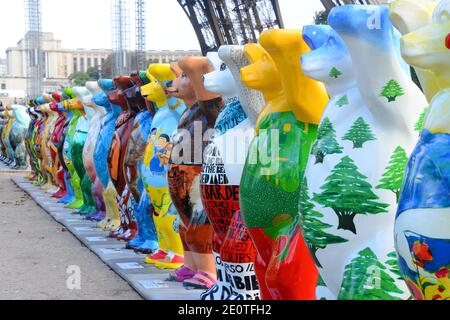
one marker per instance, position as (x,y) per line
(60,63)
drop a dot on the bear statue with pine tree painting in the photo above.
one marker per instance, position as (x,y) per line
(422,227)
(354,178)
(274,171)
(223,164)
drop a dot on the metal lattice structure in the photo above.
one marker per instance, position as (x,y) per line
(33,44)
(140,11)
(121,41)
(220,22)
(329,4)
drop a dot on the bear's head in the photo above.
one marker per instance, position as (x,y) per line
(220,80)
(195,68)
(329,61)
(154,91)
(427,47)
(261,74)
(410,15)
(251,100)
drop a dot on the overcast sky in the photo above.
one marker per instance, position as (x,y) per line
(87,23)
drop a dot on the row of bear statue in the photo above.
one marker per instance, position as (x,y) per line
(273,170)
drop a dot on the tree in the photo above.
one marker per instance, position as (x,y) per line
(348,193)
(321,17)
(93,73)
(359,134)
(393,177)
(335,73)
(326,142)
(421,122)
(342,101)
(392,90)
(79,78)
(313,228)
(365,278)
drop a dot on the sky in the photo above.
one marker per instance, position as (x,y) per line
(87,23)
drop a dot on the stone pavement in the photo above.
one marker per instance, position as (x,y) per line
(148,281)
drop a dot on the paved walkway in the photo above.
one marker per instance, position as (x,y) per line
(36,251)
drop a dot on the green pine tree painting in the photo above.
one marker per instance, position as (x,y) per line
(365,278)
(326,142)
(392,90)
(348,193)
(335,73)
(421,122)
(313,228)
(359,133)
(393,177)
(342,101)
(393,265)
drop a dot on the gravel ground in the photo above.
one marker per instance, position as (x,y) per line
(36,251)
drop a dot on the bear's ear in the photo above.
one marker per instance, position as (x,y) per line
(332,42)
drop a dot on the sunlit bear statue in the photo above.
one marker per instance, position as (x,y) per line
(76,201)
(169,251)
(108,123)
(55,141)
(63,148)
(185,169)
(360,155)
(273,175)
(45,134)
(223,163)
(408,16)
(422,228)
(116,158)
(33,118)
(95,114)
(17,135)
(8,115)
(81,133)
(146,240)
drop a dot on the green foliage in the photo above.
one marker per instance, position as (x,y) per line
(321,17)
(365,278)
(421,122)
(359,134)
(80,78)
(313,228)
(393,264)
(335,73)
(348,193)
(393,177)
(342,101)
(326,142)
(392,90)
